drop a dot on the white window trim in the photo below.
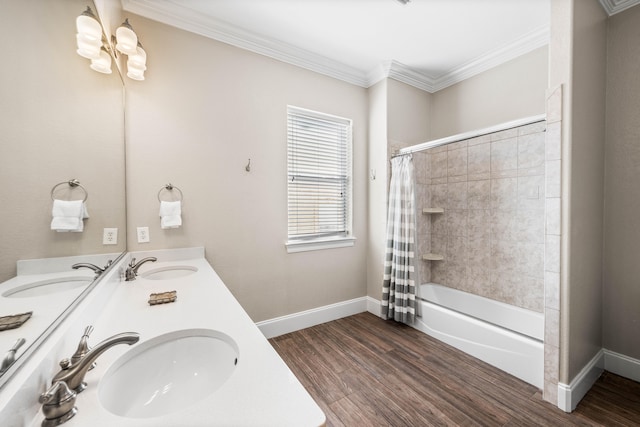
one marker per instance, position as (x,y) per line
(320,243)
(294,246)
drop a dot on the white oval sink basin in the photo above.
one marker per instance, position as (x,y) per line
(47,287)
(168,373)
(170,272)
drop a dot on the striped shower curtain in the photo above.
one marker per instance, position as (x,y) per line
(398,287)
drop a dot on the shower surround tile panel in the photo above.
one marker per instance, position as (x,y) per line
(457,162)
(553,230)
(531,225)
(492,231)
(531,150)
(504,155)
(479,159)
(552,290)
(552,178)
(532,128)
(504,193)
(553,146)
(504,134)
(479,194)
(479,140)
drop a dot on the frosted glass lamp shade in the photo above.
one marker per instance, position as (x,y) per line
(89,37)
(139,60)
(94,39)
(135,74)
(87,24)
(103,63)
(126,39)
(87,47)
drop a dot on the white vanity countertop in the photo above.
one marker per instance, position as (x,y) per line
(262,391)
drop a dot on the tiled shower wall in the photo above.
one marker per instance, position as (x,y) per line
(491,234)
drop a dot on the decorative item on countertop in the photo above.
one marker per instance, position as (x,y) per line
(68,215)
(163,297)
(170,211)
(14,321)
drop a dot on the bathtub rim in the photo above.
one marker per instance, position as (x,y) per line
(518,320)
(514,353)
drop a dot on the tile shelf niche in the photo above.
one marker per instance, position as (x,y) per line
(430,256)
(429,211)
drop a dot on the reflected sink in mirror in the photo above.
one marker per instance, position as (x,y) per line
(170,272)
(168,373)
(47,287)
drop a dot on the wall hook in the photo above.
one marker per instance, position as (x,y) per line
(248,167)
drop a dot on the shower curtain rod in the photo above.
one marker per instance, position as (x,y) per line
(471,134)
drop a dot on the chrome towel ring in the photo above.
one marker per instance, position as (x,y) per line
(73,183)
(170,187)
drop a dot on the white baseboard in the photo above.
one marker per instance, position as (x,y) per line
(622,365)
(305,319)
(570,394)
(605,360)
(374,306)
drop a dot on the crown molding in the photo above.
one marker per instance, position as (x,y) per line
(176,15)
(172,13)
(616,6)
(400,72)
(491,59)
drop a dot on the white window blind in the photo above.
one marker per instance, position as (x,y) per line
(319,175)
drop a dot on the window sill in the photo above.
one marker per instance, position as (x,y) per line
(294,246)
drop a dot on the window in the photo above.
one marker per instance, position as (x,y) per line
(319,180)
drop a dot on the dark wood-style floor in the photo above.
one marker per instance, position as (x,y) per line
(364,371)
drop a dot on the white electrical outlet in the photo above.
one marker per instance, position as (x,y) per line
(110,236)
(143,234)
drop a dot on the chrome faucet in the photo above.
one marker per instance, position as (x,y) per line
(73,373)
(93,267)
(10,357)
(132,270)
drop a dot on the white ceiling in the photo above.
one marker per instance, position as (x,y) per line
(429,44)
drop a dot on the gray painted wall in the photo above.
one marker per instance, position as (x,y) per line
(586,193)
(621,295)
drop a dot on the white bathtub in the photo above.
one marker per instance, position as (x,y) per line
(507,337)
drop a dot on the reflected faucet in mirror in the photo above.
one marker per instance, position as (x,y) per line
(132,269)
(10,357)
(93,267)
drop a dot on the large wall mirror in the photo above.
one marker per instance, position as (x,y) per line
(59,120)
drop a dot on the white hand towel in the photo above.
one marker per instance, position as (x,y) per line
(68,215)
(170,214)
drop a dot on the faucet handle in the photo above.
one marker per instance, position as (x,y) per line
(58,404)
(65,363)
(83,347)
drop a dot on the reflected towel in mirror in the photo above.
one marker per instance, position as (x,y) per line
(68,215)
(170,214)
